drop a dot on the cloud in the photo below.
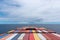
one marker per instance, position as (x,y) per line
(30,11)
(3,14)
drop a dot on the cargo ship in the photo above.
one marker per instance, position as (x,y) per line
(30,33)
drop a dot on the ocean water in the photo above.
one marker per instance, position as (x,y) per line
(4,28)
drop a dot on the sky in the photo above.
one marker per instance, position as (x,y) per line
(29,11)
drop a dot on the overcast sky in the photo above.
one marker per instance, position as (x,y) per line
(29,11)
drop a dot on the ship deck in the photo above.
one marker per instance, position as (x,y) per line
(30,33)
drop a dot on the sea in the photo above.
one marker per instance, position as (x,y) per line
(4,28)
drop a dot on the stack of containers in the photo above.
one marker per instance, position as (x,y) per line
(28,33)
